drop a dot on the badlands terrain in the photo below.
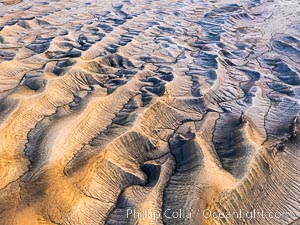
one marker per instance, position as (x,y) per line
(175,112)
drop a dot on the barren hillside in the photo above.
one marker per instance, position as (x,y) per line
(149,112)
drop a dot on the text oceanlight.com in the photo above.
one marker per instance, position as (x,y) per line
(206,213)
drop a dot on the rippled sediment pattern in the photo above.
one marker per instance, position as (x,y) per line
(160,106)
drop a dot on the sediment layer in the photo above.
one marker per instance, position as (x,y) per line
(110,106)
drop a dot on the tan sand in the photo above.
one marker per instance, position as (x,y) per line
(149,112)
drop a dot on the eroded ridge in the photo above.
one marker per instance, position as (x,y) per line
(126,112)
